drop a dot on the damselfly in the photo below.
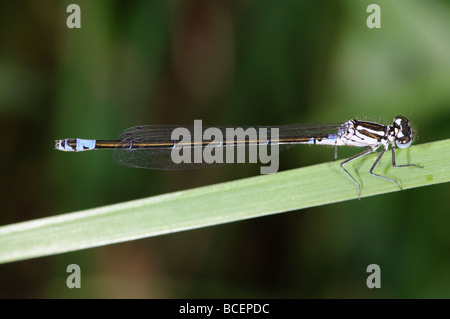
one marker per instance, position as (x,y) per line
(153,147)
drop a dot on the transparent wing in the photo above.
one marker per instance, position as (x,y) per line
(164,132)
(156,147)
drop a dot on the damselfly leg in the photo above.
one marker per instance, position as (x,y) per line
(370,150)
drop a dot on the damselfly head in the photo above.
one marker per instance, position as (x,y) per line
(403,132)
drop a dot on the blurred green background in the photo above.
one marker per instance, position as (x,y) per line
(227,63)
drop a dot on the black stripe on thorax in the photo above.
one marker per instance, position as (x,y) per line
(371,130)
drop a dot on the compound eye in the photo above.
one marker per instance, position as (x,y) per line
(400,121)
(404,142)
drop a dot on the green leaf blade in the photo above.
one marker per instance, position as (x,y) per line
(221,203)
